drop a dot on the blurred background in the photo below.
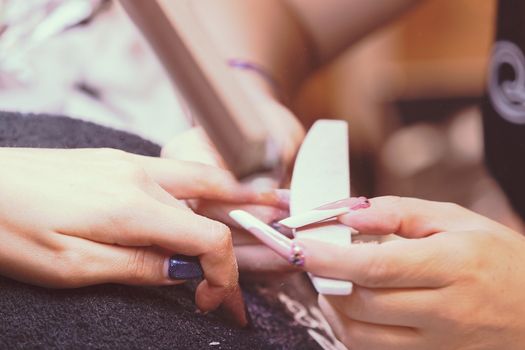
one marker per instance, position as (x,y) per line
(410,90)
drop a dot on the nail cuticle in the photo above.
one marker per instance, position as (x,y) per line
(352,203)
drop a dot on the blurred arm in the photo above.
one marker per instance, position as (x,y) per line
(290,38)
(293,37)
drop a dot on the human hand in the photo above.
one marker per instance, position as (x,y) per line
(283,125)
(71,218)
(255,260)
(455,283)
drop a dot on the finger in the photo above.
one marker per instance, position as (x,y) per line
(390,307)
(425,262)
(93,263)
(221,278)
(147,222)
(220,211)
(193,145)
(361,335)
(235,308)
(410,217)
(258,259)
(155,191)
(210,295)
(186,180)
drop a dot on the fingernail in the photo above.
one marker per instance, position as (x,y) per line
(281,229)
(353,203)
(182,267)
(326,212)
(279,198)
(296,256)
(313,216)
(272,238)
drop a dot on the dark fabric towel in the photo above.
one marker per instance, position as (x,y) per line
(115,316)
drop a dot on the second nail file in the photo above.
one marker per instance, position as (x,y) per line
(322,175)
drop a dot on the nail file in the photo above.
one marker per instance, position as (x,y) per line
(321,175)
(202,76)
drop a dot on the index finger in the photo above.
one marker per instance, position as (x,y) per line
(415,263)
(413,218)
(192,180)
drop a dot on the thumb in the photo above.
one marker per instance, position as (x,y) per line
(193,145)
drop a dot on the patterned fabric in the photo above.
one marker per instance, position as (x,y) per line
(504,104)
(87,60)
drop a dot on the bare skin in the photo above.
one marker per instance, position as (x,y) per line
(71,218)
(455,282)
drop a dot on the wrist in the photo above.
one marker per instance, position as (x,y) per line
(256,79)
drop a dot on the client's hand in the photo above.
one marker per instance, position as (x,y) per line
(455,283)
(70,218)
(256,261)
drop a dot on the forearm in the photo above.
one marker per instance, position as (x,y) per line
(264,32)
(334,25)
(290,38)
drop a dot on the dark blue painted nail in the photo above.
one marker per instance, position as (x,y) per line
(182,267)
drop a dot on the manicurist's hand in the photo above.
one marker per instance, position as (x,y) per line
(456,282)
(71,218)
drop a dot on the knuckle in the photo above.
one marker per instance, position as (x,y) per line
(377,272)
(138,265)
(473,257)
(119,214)
(134,173)
(68,269)
(229,287)
(457,316)
(221,236)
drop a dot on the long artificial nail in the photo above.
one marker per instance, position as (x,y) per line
(182,267)
(353,203)
(312,216)
(279,243)
(326,212)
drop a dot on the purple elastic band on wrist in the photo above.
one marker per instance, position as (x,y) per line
(259,70)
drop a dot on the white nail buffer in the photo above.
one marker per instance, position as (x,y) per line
(322,175)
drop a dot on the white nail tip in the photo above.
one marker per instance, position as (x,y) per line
(313,216)
(330,286)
